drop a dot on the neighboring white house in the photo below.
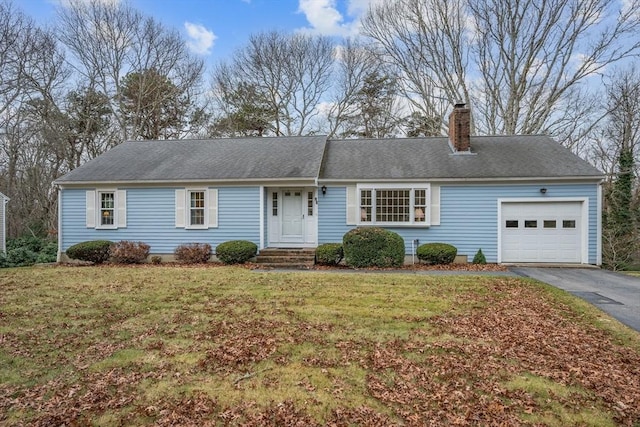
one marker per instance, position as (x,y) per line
(3,222)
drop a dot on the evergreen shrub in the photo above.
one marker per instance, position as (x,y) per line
(236,251)
(479,258)
(329,254)
(96,251)
(437,253)
(373,247)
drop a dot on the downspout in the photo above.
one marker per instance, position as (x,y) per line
(5,201)
(59,257)
(262,219)
(599,225)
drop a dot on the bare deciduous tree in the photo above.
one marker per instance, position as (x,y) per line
(353,62)
(291,72)
(520,64)
(111,40)
(428,41)
(619,143)
(32,70)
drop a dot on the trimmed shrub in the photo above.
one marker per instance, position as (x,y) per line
(20,257)
(32,243)
(156,259)
(29,250)
(236,251)
(96,251)
(4,261)
(329,254)
(127,252)
(48,253)
(437,253)
(479,258)
(373,247)
(193,253)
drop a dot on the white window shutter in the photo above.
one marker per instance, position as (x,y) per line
(212,196)
(90,208)
(181,199)
(435,205)
(352,205)
(121,205)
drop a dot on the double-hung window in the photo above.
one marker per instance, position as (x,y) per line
(106,208)
(196,208)
(389,205)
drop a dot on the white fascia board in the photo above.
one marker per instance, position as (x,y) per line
(298,182)
(470,181)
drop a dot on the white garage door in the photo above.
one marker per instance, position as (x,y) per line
(548,232)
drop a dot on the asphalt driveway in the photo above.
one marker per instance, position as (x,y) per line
(614,293)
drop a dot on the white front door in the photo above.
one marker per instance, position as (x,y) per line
(292,216)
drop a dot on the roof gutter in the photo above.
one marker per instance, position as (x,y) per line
(186,181)
(594,178)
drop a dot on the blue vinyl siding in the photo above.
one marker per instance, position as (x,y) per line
(151,219)
(332,215)
(468,216)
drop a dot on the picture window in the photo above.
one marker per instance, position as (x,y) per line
(399,206)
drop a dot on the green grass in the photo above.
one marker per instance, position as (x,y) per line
(145,345)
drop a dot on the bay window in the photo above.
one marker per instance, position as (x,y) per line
(393,204)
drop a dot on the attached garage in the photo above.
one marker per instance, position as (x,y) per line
(550,231)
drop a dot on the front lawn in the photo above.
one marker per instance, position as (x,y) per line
(228,346)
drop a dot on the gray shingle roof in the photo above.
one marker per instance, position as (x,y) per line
(214,159)
(493,157)
(314,157)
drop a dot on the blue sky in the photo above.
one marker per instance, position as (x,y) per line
(214,28)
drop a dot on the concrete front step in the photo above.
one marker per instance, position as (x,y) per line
(278,252)
(286,265)
(286,258)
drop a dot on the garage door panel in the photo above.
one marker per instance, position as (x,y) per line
(541,232)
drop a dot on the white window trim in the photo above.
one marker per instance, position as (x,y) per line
(395,186)
(187,210)
(94,207)
(183,208)
(99,224)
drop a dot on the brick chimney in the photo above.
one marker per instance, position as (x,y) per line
(460,128)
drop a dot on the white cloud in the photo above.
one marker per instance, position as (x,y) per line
(323,16)
(200,39)
(591,68)
(357,8)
